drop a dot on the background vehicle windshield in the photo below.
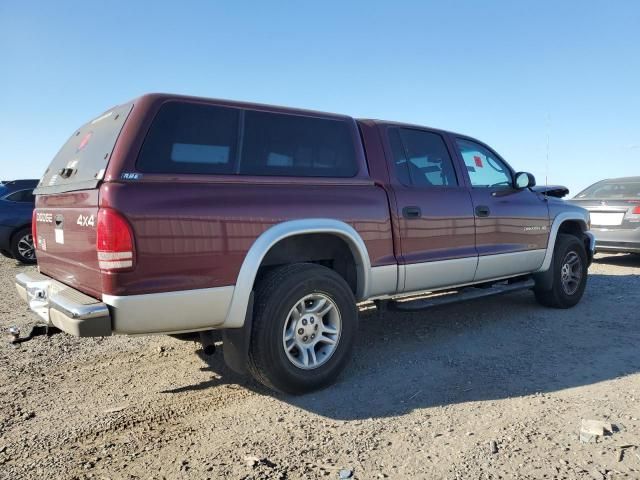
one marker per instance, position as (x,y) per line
(612,189)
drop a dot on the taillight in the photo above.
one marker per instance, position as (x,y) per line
(114,241)
(636,211)
(34,229)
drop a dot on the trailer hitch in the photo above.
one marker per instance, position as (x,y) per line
(36,331)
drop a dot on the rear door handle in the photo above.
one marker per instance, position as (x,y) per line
(482,211)
(411,212)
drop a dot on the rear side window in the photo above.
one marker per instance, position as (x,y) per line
(191,138)
(292,145)
(204,139)
(421,158)
(399,157)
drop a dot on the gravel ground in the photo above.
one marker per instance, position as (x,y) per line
(424,397)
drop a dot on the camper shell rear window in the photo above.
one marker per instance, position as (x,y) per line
(81,162)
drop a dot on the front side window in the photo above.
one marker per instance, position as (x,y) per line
(421,158)
(191,138)
(485,170)
(292,145)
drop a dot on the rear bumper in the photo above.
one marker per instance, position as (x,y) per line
(64,307)
(620,247)
(617,240)
(84,316)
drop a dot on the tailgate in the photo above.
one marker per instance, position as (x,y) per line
(66,239)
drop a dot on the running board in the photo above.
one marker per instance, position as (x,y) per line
(422,302)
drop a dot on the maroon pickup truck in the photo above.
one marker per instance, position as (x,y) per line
(173,214)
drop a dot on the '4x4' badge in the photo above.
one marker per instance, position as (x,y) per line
(86,221)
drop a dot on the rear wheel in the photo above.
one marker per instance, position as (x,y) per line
(569,265)
(304,325)
(22,248)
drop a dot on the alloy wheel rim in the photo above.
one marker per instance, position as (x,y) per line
(25,247)
(571,273)
(312,331)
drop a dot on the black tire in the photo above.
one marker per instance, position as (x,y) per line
(17,246)
(568,247)
(6,253)
(275,297)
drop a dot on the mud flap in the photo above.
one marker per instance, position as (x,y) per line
(235,342)
(544,280)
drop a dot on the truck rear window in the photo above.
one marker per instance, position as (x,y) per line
(81,162)
(205,139)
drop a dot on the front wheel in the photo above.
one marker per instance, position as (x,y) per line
(304,325)
(569,269)
(22,248)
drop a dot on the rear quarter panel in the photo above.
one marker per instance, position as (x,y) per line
(193,235)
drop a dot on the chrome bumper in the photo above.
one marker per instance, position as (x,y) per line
(64,307)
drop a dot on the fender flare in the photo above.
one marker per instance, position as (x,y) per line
(246,277)
(582,218)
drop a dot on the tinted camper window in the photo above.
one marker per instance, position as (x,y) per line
(191,138)
(203,139)
(293,145)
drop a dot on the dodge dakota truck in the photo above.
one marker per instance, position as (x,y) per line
(173,214)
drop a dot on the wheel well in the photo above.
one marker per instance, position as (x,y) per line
(571,227)
(17,229)
(577,229)
(323,249)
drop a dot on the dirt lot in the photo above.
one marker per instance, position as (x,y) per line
(424,397)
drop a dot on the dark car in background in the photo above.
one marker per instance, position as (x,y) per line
(16,209)
(614,206)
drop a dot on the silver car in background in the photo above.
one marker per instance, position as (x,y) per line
(614,206)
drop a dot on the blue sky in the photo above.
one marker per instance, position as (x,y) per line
(504,72)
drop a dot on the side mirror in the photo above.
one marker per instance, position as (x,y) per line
(524,180)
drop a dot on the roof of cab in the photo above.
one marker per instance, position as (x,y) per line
(392,123)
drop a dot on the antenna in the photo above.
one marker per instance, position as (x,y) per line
(546,166)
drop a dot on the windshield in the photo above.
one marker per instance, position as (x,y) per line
(613,190)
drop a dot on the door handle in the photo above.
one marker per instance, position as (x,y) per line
(482,211)
(411,212)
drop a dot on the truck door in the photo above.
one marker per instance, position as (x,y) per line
(434,211)
(512,225)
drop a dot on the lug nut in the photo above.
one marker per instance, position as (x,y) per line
(313,335)
(300,331)
(312,320)
(305,338)
(316,327)
(304,321)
